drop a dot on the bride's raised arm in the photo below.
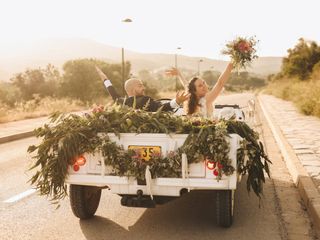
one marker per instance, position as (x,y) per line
(183,81)
(175,72)
(216,90)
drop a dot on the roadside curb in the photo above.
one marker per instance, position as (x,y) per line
(16,136)
(304,183)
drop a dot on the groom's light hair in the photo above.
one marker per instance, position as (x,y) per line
(130,84)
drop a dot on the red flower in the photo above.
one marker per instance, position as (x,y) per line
(97,109)
(171,154)
(137,155)
(215,172)
(156,154)
(196,123)
(244,46)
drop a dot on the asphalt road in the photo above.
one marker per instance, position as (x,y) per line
(189,217)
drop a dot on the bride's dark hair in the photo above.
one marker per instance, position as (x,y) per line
(193,100)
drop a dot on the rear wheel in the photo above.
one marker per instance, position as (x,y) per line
(224,207)
(84,200)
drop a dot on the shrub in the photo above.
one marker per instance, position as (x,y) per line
(305,95)
(38,107)
(316,72)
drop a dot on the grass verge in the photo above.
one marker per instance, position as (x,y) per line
(305,95)
(41,107)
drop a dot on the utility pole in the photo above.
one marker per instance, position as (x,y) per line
(200,61)
(176,66)
(123,67)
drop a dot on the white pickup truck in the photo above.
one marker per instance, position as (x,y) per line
(90,175)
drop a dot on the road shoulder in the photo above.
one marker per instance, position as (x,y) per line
(291,202)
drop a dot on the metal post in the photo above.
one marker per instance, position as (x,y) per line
(123,71)
(123,68)
(176,65)
(198,68)
(200,61)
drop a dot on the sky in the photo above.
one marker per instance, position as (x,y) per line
(199,27)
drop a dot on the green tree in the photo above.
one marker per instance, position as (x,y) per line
(301,60)
(245,81)
(239,79)
(9,94)
(151,91)
(81,81)
(165,83)
(41,82)
(256,82)
(146,76)
(210,77)
(316,72)
(52,78)
(152,84)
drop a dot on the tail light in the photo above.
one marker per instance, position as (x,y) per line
(78,162)
(76,167)
(214,166)
(210,165)
(81,160)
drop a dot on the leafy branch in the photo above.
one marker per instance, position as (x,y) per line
(67,137)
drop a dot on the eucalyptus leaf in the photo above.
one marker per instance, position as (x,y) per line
(70,135)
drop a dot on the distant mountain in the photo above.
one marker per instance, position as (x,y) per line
(58,51)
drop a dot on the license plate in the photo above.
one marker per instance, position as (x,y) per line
(145,152)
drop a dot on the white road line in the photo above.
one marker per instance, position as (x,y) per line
(20,196)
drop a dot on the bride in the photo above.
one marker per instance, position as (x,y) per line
(201,98)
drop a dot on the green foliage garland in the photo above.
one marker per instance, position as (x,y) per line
(68,136)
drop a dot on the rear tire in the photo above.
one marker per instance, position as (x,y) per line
(224,207)
(84,200)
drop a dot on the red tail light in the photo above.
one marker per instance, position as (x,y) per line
(210,165)
(76,167)
(81,160)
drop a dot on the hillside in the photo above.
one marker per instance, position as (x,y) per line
(59,51)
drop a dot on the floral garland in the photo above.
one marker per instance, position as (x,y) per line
(207,142)
(66,137)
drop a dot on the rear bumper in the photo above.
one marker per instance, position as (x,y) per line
(159,186)
(95,173)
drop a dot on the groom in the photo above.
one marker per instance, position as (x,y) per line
(135,90)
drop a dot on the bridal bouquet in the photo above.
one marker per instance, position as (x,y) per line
(242,51)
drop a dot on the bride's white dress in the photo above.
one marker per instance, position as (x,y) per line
(209,112)
(204,110)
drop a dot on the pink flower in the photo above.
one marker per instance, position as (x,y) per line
(171,154)
(244,46)
(97,109)
(137,155)
(196,123)
(156,154)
